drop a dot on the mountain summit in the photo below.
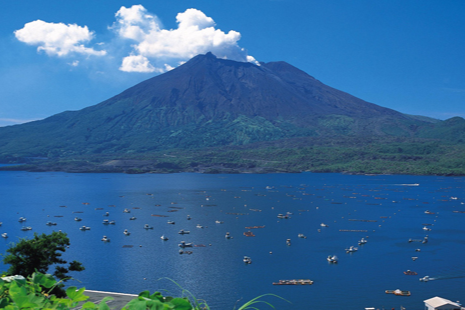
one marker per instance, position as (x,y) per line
(203,103)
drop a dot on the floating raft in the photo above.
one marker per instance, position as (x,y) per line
(398,292)
(294,282)
(249,234)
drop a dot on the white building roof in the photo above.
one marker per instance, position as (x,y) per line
(439,301)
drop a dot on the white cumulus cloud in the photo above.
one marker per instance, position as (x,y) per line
(57,39)
(195,34)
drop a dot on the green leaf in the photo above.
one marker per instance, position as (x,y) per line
(181,304)
(16,290)
(89,305)
(76,295)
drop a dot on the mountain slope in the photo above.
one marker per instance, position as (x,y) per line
(204,103)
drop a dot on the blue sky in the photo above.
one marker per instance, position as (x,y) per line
(67,55)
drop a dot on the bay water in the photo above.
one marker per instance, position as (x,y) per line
(386,210)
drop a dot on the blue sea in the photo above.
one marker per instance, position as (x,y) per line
(386,210)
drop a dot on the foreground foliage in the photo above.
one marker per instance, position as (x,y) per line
(19,293)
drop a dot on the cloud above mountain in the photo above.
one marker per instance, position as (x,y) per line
(57,39)
(149,47)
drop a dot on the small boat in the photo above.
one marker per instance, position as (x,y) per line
(188,217)
(4,235)
(288,241)
(425,279)
(247,260)
(332,259)
(362,241)
(163,238)
(126,232)
(22,219)
(183,244)
(302,236)
(132,218)
(283,216)
(78,219)
(199,226)
(410,273)
(127,211)
(84,228)
(106,222)
(228,236)
(426,228)
(107,214)
(294,282)
(50,223)
(184,232)
(323,225)
(429,212)
(26,228)
(171,222)
(414,258)
(351,249)
(425,240)
(147,226)
(105,239)
(398,292)
(112,222)
(185,252)
(219,222)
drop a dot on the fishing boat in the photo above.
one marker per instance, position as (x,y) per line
(398,292)
(147,226)
(126,232)
(332,259)
(351,249)
(4,235)
(184,232)
(247,260)
(362,241)
(163,238)
(183,244)
(294,282)
(105,239)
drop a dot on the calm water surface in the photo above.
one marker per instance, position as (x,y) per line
(386,210)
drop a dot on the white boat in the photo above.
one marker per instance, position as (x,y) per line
(425,279)
(133,218)
(183,244)
(126,232)
(50,223)
(362,241)
(302,236)
(228,236)
(171,222)
(106,222)
(199,226)
(323,225)
(332,259)
(112,222)
(163,238)
(78,219)
(426,228)
(247,260)
(184,232)
(105,239)
(282,216)
(22,219)
(84,228)
(219,222)
(351,249)
(147,226)
(188,217)
(288,241)
(127,211)
(26,228)
(107,214)
(4,235)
